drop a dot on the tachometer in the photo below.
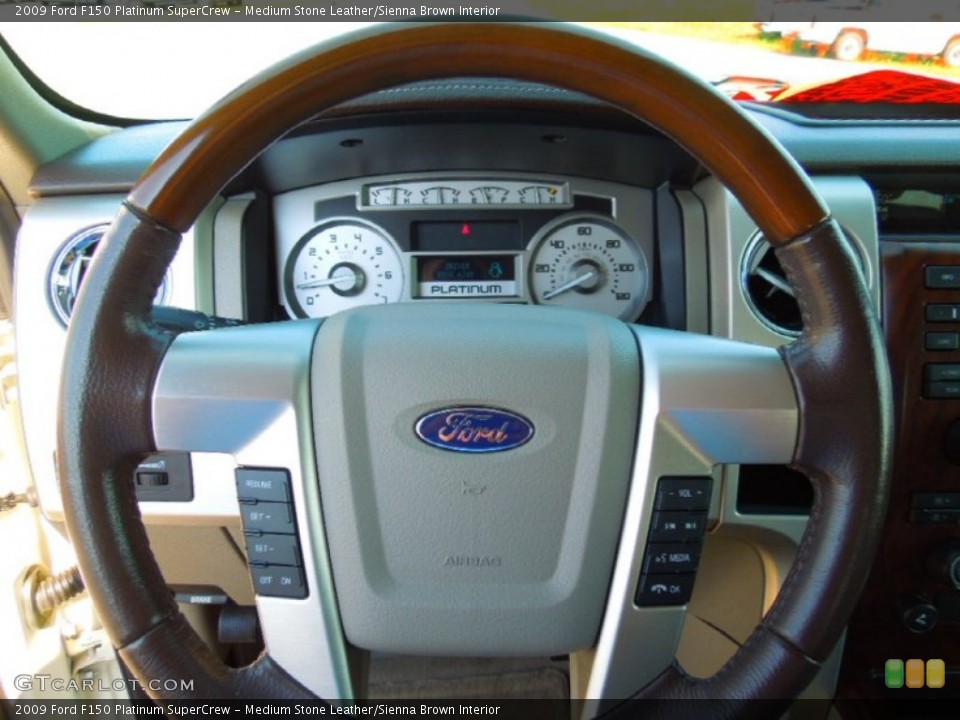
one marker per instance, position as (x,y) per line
(589,263)
(341,264)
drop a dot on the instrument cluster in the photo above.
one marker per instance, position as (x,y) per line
(495,237)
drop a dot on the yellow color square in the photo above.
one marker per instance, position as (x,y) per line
(915,673)
(936,673)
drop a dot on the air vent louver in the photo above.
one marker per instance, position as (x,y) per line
(70,267)
(767,290)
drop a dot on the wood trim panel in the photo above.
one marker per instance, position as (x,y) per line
(876,632)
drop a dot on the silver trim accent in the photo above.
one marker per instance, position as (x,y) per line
(246,392)
(228,259)
(729,229)
(695,254)
(757,248)
(706,401)
(41,339)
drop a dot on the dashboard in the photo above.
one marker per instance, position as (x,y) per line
(555,201)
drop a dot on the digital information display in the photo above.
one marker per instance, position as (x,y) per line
(460,276)
(466,236)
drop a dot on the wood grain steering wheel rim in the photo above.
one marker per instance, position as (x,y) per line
(838,366)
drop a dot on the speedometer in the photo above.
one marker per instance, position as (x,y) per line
(342,264)
(589,263)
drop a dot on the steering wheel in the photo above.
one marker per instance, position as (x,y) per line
(395,554)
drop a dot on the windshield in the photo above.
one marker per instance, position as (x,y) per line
(172,70)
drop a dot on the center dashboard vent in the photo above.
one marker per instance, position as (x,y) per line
(70,267)
(768,293)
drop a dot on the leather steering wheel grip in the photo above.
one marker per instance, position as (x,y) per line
(113,352)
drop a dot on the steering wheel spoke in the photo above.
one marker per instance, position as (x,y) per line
(705,402)
(246,392)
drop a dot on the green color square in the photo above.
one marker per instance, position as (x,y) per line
(893,673)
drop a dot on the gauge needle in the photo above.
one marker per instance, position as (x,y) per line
(349,277)
(778,282)
(579,280)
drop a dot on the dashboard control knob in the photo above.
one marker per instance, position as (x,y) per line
(944,562)
(918,614)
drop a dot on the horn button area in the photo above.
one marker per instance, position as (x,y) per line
(474,462)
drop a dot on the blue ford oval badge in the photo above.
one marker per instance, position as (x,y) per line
(474,429)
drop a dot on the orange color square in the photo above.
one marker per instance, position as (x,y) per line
(915,673)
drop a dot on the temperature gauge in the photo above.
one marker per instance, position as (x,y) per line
(390,196)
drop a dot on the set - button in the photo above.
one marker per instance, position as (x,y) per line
(273,550)
(270,530)
(674,541)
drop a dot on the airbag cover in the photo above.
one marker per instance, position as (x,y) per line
(436,550)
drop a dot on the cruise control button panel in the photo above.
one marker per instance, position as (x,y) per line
(270,527)
(674,541)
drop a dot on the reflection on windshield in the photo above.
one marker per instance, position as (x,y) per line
(176,70)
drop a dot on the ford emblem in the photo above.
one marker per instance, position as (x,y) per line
(474,429)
